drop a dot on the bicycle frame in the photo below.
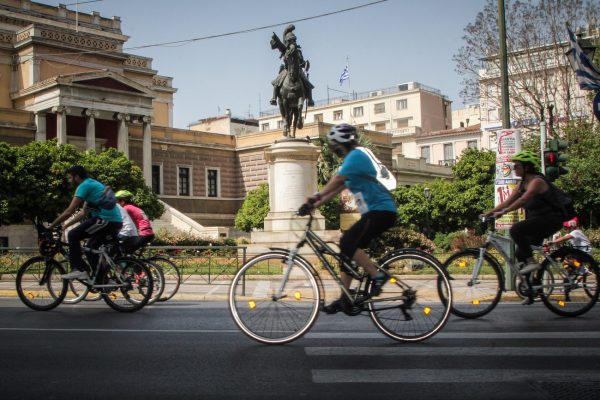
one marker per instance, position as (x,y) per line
(320,248)
(497,242)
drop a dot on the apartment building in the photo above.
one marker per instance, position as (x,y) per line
(542,86)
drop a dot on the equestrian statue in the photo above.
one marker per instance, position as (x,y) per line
(291,87)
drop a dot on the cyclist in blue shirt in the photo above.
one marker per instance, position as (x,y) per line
(102,224)
(374,202)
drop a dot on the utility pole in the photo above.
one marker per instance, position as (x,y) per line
(503,66)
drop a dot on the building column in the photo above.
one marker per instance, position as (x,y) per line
(61,123)
(90,128)
(123,136)
(147,149)
(40,126)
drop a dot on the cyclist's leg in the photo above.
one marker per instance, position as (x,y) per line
(75,236)
(102,232)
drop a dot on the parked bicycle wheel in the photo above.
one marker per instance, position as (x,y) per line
(137,290)
(171,275)
(410,306)
(261,315)
(474,296)
(158,281)
(39,284)
(575,284)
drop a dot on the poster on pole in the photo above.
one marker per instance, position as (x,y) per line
(509,144)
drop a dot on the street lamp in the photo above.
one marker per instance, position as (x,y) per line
(427,194)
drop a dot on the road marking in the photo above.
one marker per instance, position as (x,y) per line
(120,330)
(449,375)
(456,351)
(462,335)
(337,335)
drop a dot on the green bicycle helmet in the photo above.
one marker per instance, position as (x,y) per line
(527,156)
(124,194)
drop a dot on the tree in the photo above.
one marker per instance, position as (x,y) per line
(581,183)
(34,183)
(254,209)
(540,77)
(453,205)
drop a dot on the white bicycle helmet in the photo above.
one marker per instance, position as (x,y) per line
(342,133)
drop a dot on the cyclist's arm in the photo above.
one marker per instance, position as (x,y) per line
(75,219)
(76,202)
(506,203)
(333,187)
(535,186)
(562,239)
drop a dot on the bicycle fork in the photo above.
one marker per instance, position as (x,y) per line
(289,264)
(477,269)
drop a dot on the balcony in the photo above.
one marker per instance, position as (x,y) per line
(408,131)
(447,163)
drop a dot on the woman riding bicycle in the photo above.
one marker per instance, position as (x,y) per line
(376,205)
(542,216)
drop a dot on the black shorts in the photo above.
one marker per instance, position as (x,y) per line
(370,226)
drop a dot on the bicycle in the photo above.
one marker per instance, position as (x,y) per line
(169,271)
(478,280)
(276,296)
(124,283)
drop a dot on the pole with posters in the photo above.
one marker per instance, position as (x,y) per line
(509,144)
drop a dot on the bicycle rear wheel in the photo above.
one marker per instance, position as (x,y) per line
(171,275)
(265,318)
(158,279)
(136,291)
(474,298)
(574,287)
(39,284)
(411,307)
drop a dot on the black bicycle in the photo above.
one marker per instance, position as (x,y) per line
(275,297)
(124,283)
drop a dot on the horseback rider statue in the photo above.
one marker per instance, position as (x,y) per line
(291,53)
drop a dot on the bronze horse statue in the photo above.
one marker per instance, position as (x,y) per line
(291,87)
(291,101)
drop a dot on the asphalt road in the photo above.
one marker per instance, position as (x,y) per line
(192,350)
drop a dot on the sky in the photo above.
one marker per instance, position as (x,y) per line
(384,44)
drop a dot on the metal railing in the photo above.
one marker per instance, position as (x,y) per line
(203,264)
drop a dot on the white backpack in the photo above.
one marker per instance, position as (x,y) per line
(384,176)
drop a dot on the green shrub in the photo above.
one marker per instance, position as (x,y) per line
(166,238)
(397,238)
(594,236)
(254,210)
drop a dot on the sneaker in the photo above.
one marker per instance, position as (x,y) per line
(82,275)
(530,268)
(527,301)
(334,307)
(378,281)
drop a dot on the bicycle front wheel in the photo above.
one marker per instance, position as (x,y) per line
(132,286)
(39,284)
(475,295)
(267,314)
(411,306)
(573,289)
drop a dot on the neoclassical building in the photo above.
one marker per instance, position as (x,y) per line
(73,82)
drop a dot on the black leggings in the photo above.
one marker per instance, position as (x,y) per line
(368,227)
(99,231)
(533,231)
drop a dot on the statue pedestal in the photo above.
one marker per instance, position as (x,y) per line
(292,170)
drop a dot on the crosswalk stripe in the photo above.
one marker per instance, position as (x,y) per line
(462,335)
(449,375)
(455,351)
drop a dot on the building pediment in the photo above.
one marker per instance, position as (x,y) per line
(102,80)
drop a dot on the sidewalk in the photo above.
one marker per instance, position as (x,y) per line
(196,288)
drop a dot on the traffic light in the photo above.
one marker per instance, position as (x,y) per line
(553,157)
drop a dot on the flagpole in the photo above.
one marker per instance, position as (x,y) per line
(348,69)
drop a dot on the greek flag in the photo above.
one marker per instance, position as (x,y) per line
(588,75)
(345,75)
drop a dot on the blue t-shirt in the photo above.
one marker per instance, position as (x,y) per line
(90,191)
(361,179)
